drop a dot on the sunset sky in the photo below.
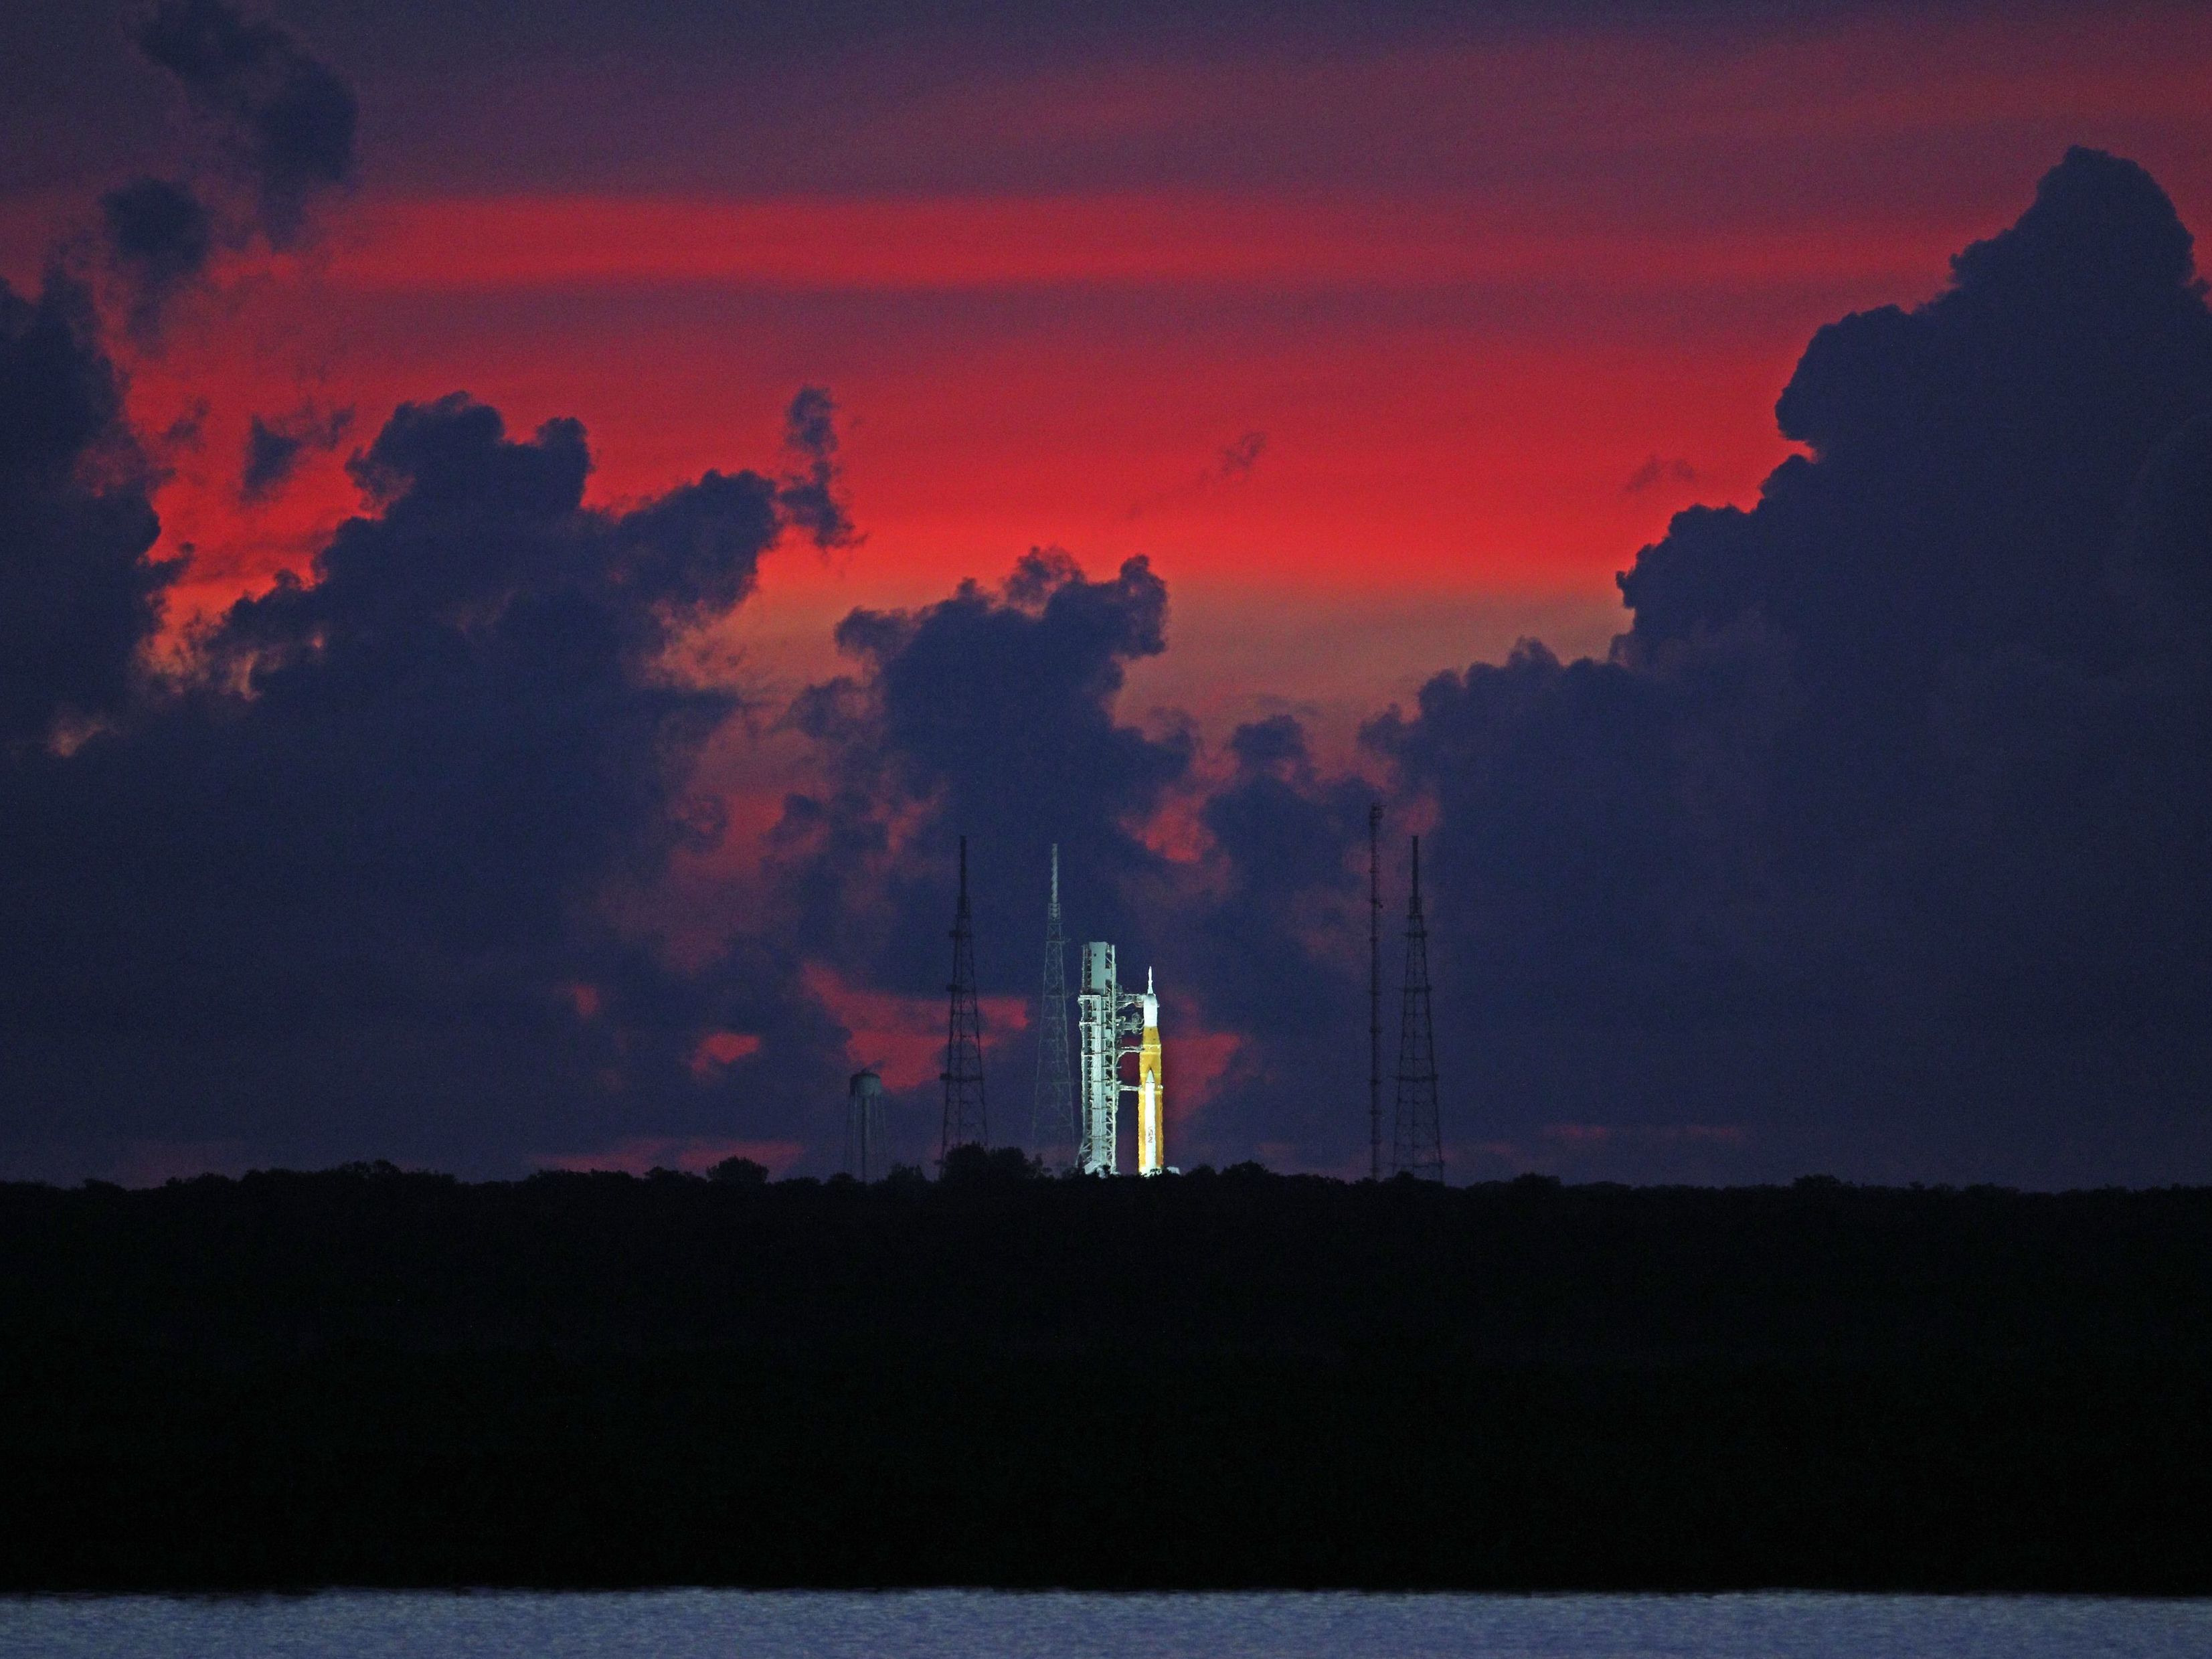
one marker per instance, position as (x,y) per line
(1490,292)
(1388,336)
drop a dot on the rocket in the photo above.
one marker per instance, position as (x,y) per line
(1151,1141)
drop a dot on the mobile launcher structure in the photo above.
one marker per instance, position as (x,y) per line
(1114,1026)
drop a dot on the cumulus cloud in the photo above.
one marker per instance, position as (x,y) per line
(355,876)
(1270,945)
(346,885)
(78,595)
(1879,814)
(991,714)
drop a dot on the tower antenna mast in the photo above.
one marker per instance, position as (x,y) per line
(1417,1147)
(1052,1118)
(1374,991)
(964,1120)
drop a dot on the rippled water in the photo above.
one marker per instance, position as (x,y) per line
(984,1624)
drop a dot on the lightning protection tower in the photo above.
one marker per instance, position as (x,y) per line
(965,1122)
(866,1154)
(1053,1124)
(1374,991)
(1417,1147)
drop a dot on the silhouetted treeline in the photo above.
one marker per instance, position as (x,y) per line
(1227,1378)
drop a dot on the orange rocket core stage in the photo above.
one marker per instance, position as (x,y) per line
(1151,1113)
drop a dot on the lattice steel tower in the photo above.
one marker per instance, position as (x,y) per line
(1374,991)
(964,1120)
(866,1154)
(1052,1119)
(1417,1147)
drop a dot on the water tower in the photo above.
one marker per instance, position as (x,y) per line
(865,1156)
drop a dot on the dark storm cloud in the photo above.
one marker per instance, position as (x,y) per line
(992,714)
(285,119)
(1265,948)
(1284,831)
(1970,629)
(77,597)
(345,882)
(1971,458)
(1888,809)
(346,886)
(275,447)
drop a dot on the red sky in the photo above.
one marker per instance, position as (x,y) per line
(1498,302)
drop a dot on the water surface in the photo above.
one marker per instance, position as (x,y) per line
(987,1624)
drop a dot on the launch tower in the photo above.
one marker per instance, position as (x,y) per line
(1099,1002)
(1374,991)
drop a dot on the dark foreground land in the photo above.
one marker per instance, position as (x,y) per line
(1218,1380)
